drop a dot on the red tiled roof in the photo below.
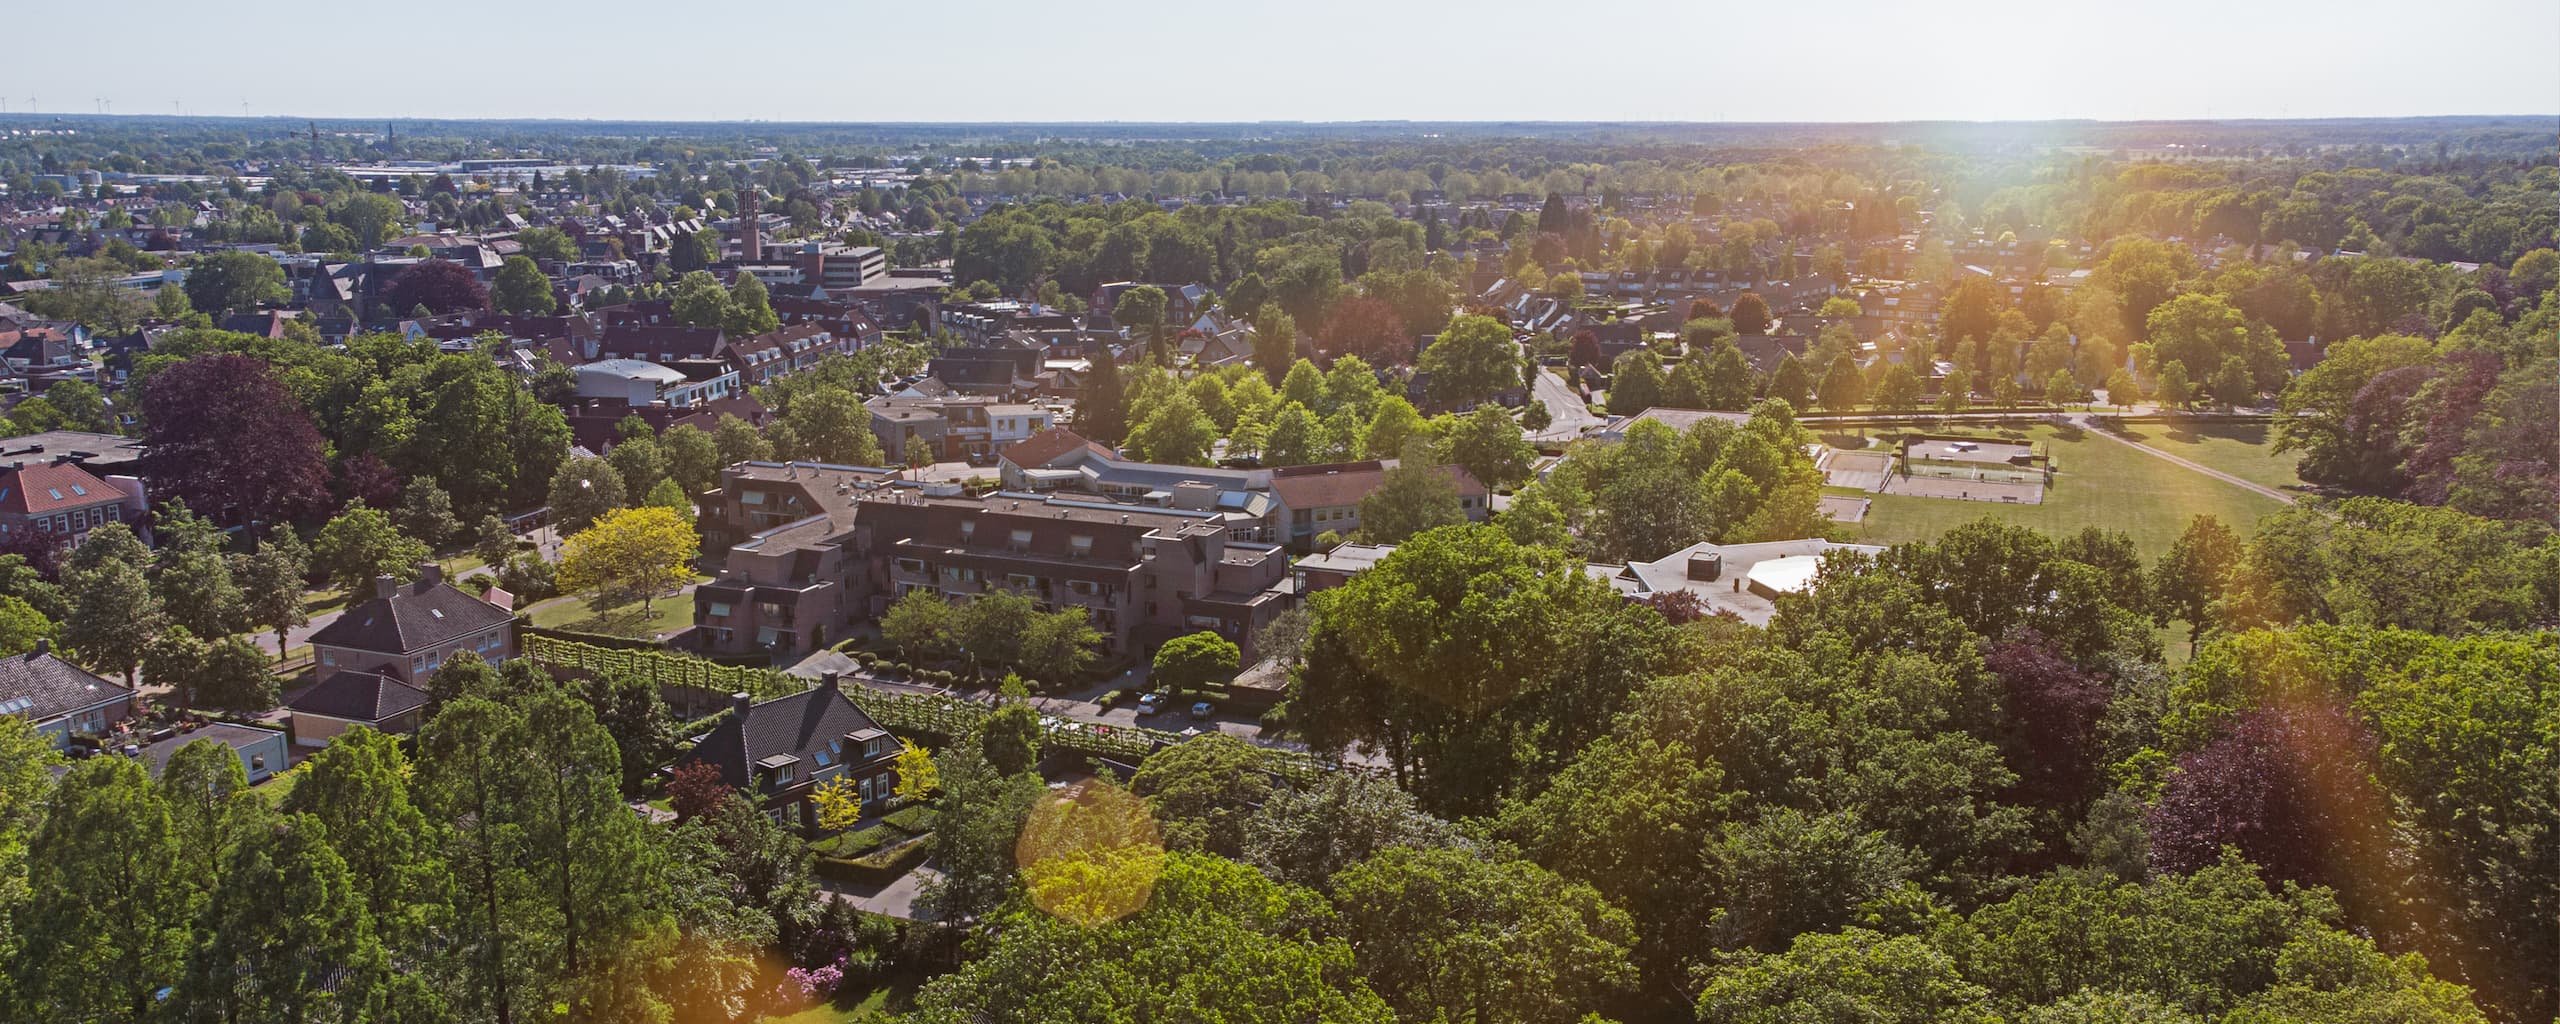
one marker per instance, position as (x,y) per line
(41,490)
(1333,485)
(1044,447)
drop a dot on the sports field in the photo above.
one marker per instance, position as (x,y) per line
(2097,482)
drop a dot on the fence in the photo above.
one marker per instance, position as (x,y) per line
(936,715)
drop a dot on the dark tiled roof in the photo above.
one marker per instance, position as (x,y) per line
(358,697)
(798,726)
(41,687)
(416,617)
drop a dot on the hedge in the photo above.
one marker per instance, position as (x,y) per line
(879,867)
(915,821)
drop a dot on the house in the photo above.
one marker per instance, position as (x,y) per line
(1314,500)
(60,698)
(407,629)
(778,752)
(347,699)
(639,383)
(262,752)
(64,499)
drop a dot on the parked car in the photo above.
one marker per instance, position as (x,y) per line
(1203,709)
(1151,703)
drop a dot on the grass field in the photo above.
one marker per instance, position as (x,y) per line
(667,615)
(2098,482)
(2244,450)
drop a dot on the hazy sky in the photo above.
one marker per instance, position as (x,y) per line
(1207,60)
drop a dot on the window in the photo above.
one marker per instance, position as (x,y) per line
(968,527)
(1080,547)
(719,609)
(1021,538)
(79,490)
(751,497)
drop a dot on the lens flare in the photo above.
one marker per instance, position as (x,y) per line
(1090,854)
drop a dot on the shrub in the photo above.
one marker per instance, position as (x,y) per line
(850,845)
(1111,697)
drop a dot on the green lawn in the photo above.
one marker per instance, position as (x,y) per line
(878,1004)
(2098,482)
(666,615)
(2244,450)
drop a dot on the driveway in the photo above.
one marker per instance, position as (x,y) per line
(896,899)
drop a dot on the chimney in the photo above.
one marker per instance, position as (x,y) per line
(386,585)
(44,647)
(430,573)
(831,682)
(740,701)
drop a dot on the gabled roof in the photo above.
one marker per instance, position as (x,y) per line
(358,697)
(796,726)
(417,616)
(40,687)
(42,490)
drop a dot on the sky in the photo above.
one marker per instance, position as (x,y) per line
(1311,60)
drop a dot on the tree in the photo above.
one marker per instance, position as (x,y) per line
(224,282)
(735,440)
(234,677)
(1369,328)
(441,286)
(358,787)
(1843,387)
(694,789)
(2231,385)
(1175,431)
(288,937)
(1790,383)
(832,426)
(1635,383)
(1395,423)
(1489,446)
(113,615)
(80,406)
(1141,311)
(1449,932)
(750,308)
(1415,496)
(639,460)
(630,554)
(360,544)
(693,458)
(426,512)
(697,300)
(2062,388)
(191,577)
(547,243)
(1471,362)
(921,624)
(1897,390)
(981,816)
(584,490)
(1750,314)
(2192,576)
(523,289)
(2174,388)
(1010,738)
(1275,341)
(1214,941)
(2122,389)
(1306,835)
(1202,790)
(105,922)
(224,436)
(1194,662)
(1851,976)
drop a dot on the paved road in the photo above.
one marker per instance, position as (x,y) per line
(2088,422)
(896,899)
(1569,417)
